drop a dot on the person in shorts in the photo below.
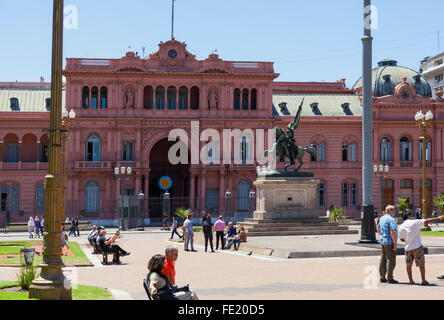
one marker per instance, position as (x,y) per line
(409,233)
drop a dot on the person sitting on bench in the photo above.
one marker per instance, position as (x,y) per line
(106,245)
(93,235)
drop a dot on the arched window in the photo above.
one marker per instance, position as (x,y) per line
(352,152)
(322,195)
(15,105)
(313,159)
(345,151)
(171,98)
(321,152)
(405,149)
(243,190)
(245,99)
(183,98)
(94,98)
(194,98)
(148,97)
(253,102)
(428,150)
(103,98)
(237,99)
(85,97)
(160,98)
(92,197)
(345,194)
(93,148)
(386,149)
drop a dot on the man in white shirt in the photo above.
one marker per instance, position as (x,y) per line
(188,232)
(409,232)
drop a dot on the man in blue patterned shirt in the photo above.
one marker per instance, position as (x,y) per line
(389,235)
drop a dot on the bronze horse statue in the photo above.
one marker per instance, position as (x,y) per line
(285,146)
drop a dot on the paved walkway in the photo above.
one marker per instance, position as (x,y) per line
(234,275)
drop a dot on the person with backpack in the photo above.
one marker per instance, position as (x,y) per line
(174,226)
(208,228)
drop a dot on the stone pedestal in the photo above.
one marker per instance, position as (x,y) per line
(286,195)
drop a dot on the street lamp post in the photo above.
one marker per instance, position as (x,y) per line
(380,172)
(166,203)
(252,197)
(141,197)
(67,121)
(424,121)
(52,284)
(122,174)
(227,202)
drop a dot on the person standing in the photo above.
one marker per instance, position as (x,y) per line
(208,229)
(174,226)
(31,227)
(72,230)
(76,227)
(219,226)
(188,232)
(389,234)
(64,237)
(42,225)
(37,226)
(409,232)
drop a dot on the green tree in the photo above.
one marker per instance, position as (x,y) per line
(182,213)
(403,205)
(439,201)
(336,214)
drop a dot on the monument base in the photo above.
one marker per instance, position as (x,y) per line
(286,205)
(286,195)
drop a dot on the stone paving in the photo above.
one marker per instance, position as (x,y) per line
(233,275)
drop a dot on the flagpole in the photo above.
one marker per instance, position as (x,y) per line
(172,21)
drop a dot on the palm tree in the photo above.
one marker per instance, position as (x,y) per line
(403,205)
(439,201)
(182,213)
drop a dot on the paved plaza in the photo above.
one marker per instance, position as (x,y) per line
(235,275)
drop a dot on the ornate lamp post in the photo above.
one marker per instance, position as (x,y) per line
(166,203)
(122,174)
(52,284)
(424,121)
(380,172)
(252,197)
(141,197)
(67,121)
(227,202)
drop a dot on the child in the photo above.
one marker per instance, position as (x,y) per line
(409,232)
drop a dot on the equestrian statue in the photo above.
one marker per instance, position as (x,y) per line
(285,146)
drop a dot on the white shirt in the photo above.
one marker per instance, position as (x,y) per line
(31,223)
(410,232)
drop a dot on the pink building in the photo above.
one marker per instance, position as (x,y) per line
(126,108)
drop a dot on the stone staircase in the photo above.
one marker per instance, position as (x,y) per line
(292,227)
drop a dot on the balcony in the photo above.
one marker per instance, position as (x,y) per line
(406,164)
(94,165)
(23,166)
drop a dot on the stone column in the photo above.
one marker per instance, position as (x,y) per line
(192,191)
(221,190)
(203,189)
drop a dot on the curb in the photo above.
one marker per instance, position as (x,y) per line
(120,294)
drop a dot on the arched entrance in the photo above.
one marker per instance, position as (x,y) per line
(179,173)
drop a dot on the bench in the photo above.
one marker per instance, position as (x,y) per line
(104,254)
(93,243)
(147,290)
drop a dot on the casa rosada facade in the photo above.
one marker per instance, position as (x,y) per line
(126,108)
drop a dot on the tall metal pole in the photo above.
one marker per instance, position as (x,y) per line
(51,284)
(367,214)
(172,21)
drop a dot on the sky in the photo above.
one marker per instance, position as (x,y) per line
(316,40)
